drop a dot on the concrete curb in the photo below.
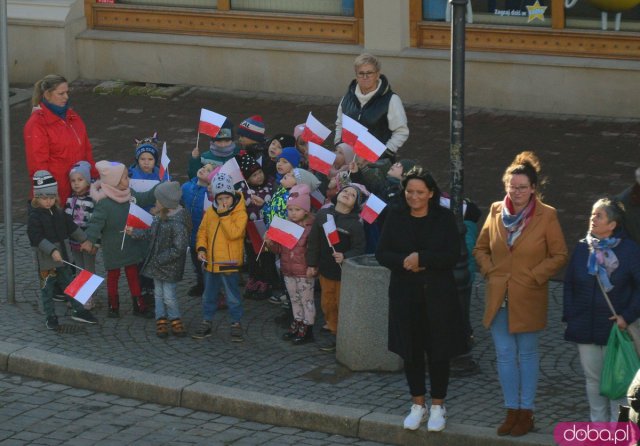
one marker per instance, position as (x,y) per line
(249,405)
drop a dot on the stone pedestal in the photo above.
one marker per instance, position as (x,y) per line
(363,317)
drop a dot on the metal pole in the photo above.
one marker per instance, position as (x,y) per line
(6,154)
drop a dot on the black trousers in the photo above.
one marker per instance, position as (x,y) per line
(414,366)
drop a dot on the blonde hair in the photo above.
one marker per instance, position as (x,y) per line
(526,163)
(48,83)
(35,201)
(366,58)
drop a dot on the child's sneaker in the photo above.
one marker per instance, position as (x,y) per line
(203,331)
(437,419)
(416,417)
(52,323)
(236,332)
(162,327)
(84,316)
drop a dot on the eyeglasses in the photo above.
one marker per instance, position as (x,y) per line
(365,74)
(517,188)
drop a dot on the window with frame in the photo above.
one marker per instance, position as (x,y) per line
(323,7)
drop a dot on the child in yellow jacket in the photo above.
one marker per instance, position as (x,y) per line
(220,246)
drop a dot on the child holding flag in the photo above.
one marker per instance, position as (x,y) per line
(221,149)
(49,229)
(293,265)
(80,207)
(169,238)
(112,197)
(325,257)
(220,246)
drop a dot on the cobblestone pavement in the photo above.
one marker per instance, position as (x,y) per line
(34,412)
(583,159)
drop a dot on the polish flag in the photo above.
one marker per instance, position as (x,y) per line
(331,231)
(284,232)
(232,169)
(83,286)
(320,159)
(138,217)
(210,122)
(368,147)
(317,199)
(164,164)
(314,130)
(351,130)
(372,209)
(255,231)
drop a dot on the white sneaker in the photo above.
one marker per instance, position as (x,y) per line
(416,417)
(437,419)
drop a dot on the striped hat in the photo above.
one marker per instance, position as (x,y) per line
(44,185)
(252,128)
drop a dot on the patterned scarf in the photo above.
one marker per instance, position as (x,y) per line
(515,223)
(602,260)
(101,190)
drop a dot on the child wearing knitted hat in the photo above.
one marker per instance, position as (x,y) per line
(325,259)
(220,246)
(112,197)
(169,238)
(293,265)
(194,197)
(251,137)
(146,165)
(221,149)
(49,230)
(257,190)
(80,207)
(289,159)
(274,148)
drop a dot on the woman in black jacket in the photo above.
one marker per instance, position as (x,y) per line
(420,244)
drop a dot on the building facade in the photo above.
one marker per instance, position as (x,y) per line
(544,56)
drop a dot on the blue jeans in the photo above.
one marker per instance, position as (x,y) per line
(165,296)
(212,282)
(518,362)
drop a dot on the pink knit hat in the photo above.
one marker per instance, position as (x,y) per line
(110,172)
(297,131)
(299,195)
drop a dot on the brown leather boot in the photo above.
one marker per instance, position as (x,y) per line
(524,423)
(509,422)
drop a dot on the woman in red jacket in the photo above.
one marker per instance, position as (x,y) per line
(55,137)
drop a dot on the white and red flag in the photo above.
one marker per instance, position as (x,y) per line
(210,122)
(138,217)
(368,147)
(317,199)
(83,286)
(314,130)
(372,208)
(284,232)
(351,130)
(255,231)
(232,169)
(331,231)
(320,159)
(164,164)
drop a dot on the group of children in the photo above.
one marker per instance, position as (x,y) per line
(208,216)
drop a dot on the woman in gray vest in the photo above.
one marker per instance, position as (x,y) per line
(370,101)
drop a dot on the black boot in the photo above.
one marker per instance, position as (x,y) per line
(293,331)
(304,334)
(139,308)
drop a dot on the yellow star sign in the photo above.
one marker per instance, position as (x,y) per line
(536,11)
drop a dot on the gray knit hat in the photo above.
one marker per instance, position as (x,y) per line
(222,184)
(305,177)
(168,194)
(84,169)
(44,185)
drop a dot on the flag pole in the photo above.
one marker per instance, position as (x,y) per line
(198,140)
(124,234)
(75,266)
(260,251)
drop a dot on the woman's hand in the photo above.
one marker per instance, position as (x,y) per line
(622,324)
(339,257)
(411,262)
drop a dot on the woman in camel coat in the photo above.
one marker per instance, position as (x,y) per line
(520,247)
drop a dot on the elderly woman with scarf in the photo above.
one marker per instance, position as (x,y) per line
(607,255)
(520,247)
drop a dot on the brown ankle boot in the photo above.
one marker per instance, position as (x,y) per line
(509,422)
(524,424)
